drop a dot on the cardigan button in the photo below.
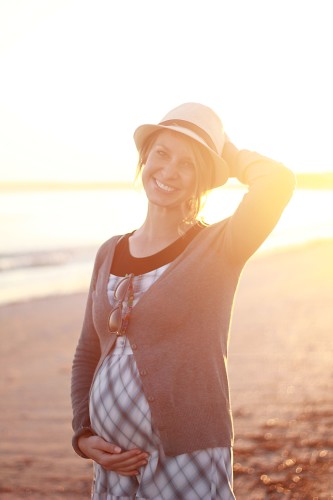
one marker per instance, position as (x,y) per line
(151,399)
(134,347)
(143,372)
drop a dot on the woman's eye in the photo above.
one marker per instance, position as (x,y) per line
(161,153)
(187,165)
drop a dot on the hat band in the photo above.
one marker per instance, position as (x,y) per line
(194,128)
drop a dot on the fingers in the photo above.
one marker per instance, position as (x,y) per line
(125,462)
(108,447)
(111,456)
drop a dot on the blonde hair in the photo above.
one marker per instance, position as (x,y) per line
(204,174)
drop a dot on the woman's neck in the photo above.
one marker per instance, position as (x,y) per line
(159,230)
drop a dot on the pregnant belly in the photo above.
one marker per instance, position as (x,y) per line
(119,411)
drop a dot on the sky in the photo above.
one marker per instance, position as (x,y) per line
(77,77)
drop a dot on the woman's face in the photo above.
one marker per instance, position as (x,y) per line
(169,176)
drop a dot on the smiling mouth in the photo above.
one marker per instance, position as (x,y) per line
(164,187)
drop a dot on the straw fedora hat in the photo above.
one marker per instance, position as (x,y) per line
(199,123)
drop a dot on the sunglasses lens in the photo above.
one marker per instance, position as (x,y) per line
(115,320)
(119,294)
(121,289)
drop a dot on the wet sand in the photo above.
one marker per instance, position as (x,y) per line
(281,376)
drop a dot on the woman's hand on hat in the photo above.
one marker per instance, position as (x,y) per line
(112,457)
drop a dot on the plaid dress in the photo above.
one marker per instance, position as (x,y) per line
(120,413)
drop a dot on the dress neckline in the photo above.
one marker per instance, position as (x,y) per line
(124,263)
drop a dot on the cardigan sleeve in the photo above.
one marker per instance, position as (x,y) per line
(85,360)
(271,185)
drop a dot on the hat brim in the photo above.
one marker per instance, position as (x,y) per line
(221,176)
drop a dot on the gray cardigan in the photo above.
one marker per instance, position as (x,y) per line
(179,329)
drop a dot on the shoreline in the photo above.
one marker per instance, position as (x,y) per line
(280,370)
(81,272)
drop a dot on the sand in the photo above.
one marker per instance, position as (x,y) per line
(281,375)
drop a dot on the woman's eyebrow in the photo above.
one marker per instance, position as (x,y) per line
(187,156)
(161,146)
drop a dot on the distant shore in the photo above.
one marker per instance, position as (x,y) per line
(281,376)
(315,181)
(63,186)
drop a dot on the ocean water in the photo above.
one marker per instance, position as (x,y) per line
(49,238)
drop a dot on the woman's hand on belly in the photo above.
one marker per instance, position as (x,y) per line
(111,457)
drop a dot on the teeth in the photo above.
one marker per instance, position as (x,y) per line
(164,186)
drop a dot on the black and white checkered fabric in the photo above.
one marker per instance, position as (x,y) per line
(120,414)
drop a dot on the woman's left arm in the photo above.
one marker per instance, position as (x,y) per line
(271,185)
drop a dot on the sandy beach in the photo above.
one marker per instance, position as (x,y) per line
(281,375)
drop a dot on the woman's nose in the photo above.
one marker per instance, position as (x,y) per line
(170,169)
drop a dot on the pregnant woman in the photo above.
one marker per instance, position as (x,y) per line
(150,388)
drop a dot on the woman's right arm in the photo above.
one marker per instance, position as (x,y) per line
(85,360)
(85,442)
